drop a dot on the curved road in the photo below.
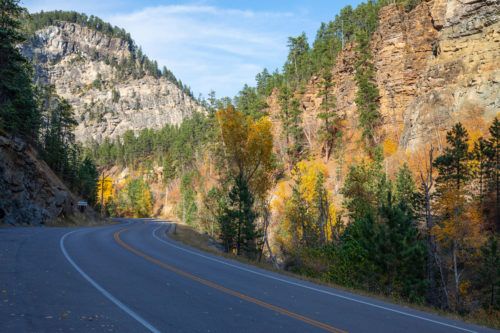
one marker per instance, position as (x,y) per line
(130,277)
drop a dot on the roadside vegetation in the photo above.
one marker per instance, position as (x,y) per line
(427,234)
(36,113)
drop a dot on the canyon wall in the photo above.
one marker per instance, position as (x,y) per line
(107,100)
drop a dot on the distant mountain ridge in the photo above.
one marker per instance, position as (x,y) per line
(110,84)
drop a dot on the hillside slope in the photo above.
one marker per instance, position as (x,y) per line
(30,192)
(434,66)
(91,70)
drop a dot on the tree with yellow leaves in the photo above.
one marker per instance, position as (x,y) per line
(247,146)
(247,158)
(105,191)
(309,212)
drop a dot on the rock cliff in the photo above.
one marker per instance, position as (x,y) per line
(30,193)
(107,100)
(435,65)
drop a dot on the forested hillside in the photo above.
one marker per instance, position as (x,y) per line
(341,167)
(351,197)
(369,160)
(109,82)
(36,124)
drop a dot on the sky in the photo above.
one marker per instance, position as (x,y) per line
(215,45)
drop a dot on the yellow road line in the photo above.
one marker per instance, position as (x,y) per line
(213,285)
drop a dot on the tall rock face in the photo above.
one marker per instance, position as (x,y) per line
(81,63)
(30,193)
(450,60)
(435,65)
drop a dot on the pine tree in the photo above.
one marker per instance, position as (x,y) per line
(87,180)
(367,95)
(483,154)
(58,139)
(291,117)
(489,273)
(405,192)
(250,102)
(298,66)
(400,254)
(494,142)
(453,163)
(18,112)
(237,223)
(188,208)
(330,128)
(458,232)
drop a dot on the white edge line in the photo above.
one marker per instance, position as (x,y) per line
(103,291)
(308,287)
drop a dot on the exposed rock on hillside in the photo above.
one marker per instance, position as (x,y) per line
(435,65)
(106,99)
(30,193)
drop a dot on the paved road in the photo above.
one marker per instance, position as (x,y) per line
(130,277)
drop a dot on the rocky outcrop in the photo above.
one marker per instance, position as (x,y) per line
(30,193)
(107,102)
(460,79)
(435,65)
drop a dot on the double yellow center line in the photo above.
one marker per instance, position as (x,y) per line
(225,290)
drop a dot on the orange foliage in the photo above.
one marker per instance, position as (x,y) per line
(389,146)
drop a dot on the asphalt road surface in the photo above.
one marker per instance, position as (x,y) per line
(130,277)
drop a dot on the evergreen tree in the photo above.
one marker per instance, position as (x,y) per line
(139,199)
(458,231)
(169,171)
(452,165)
(59,149)
(237,223)
(188,208)
(382,251)
(18,112)
(250,102)
(365,189)
(298,67)
(300,217)
(330,128)
(87,180)
(367,95)
(325,48)
(264,82)
(401,254)
(291,117)
(405,192)
(482,155)
(489,273)
(494,143)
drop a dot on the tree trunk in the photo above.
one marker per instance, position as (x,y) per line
(456,275)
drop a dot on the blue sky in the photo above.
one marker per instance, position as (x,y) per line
(211,44)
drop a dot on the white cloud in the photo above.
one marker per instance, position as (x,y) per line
(209,47)
(206,46)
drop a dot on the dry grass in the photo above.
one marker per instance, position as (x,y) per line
(78,220)
(191,237)
(485,318)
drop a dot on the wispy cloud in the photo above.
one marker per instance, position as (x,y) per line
(210,47)
(206,45)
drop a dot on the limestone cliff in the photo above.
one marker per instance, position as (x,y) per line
(435,65)
(107,101)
